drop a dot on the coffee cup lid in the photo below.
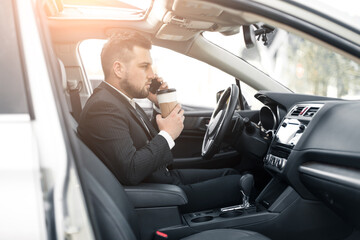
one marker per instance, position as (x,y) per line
(169,90)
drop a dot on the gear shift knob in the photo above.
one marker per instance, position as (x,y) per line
(246,184)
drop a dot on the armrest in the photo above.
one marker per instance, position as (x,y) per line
(155,195)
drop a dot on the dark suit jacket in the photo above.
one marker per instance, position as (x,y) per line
(113,129)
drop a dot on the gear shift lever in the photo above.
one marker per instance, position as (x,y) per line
(246,184)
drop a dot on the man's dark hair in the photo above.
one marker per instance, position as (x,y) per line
(119,47)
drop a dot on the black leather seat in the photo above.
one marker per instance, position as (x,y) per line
(112,213)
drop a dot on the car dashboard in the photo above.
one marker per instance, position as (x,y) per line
(288,134)
(315,149)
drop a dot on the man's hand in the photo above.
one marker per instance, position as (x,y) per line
(153,97)
(172,124)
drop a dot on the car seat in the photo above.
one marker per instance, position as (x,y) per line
(112,213)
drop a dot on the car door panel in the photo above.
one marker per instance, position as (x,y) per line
(189,143)
(187,150)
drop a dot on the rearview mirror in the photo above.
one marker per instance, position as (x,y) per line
(263,33)
(249,36)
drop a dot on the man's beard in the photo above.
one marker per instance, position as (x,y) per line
(132,91)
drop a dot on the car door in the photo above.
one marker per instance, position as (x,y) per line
(19,169)
(187,150)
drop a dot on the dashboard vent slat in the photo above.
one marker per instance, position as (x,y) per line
(311,112)
(297,111)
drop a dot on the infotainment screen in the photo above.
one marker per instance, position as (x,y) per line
(290,131)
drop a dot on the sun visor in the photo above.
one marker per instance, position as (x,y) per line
(175,33)
(200,8)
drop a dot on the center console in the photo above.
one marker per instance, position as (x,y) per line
(218,219)
(237,215)
(288,134)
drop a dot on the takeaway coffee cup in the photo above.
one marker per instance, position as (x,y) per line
(167,101)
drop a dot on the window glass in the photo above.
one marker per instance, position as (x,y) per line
(299,64)
(346,11)
(196,82)
(90,52)
(12,89)
(249,93)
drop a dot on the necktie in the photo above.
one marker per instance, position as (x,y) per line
(150,129)
(145,121)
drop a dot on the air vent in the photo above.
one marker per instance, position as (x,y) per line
(297,111)
(311,112)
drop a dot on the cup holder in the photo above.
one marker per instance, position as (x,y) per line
(202,219)
(231,214)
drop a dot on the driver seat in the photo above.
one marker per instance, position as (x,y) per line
(113,215)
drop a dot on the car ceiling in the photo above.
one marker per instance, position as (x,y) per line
(172,24)
(183,20)
(179,20)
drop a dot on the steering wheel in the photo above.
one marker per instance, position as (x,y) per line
(220,121)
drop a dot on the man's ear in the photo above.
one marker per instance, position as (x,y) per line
(119,69)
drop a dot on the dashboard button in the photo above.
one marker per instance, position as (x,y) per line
(272,160)
(277,160)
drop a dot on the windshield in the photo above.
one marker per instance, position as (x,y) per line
(299,64)
(346,11)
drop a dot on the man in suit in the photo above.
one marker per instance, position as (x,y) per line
(121,135)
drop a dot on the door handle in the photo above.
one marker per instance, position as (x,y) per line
(203,123)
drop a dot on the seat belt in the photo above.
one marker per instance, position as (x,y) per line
(74,88)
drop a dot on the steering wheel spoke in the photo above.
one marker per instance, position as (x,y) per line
(208,144)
